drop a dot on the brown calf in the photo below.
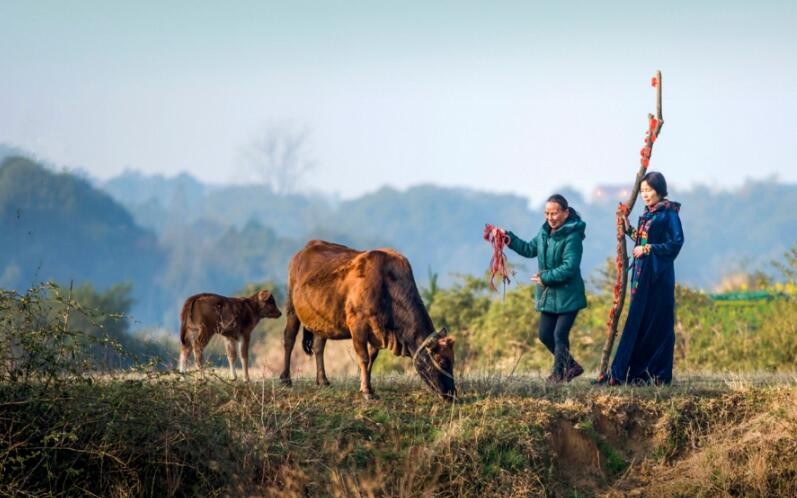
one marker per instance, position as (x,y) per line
(234,318)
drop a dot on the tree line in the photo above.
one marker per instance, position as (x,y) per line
(172,237)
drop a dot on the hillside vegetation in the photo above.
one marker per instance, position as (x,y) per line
(173,237)
(56,226)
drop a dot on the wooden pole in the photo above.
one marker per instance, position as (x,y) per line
(623,210)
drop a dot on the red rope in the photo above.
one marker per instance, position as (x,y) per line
(619,261)
(498,265)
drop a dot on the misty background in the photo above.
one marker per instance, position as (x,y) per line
(171,237)
(189,147)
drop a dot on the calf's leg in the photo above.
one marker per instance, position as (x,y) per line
(197,355)
(229,345)
(185,349)
(243,347)
(201,339)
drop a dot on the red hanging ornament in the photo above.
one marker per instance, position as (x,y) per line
(498,265)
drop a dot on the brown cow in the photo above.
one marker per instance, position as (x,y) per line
(234,318)
(369,296)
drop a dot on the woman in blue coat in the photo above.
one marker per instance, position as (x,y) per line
(560,288)
(645,352)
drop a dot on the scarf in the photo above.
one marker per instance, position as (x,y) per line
(643,228)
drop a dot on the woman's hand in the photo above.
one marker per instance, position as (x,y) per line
(535,279)
(640,251)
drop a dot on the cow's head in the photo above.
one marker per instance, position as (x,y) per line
(434,361)
(266,305)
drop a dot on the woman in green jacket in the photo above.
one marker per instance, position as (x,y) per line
(560,288)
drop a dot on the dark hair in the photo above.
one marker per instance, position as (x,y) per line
(560,199)
(657,182)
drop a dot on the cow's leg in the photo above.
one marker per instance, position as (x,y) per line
(319,343)
(229,345)
(359,337)
(243,352)
(373,351)
(289,339)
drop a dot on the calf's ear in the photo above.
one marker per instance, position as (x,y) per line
(263,295)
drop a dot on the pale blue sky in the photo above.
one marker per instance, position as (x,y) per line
(519,97)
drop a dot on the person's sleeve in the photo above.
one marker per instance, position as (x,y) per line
(571,262)
(675,238)
(527,249)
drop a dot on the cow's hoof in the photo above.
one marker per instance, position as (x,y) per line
(286,381)
(370,397)
(322,382)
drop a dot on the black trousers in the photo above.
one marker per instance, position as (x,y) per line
(555,334)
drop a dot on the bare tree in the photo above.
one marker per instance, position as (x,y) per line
(278,157)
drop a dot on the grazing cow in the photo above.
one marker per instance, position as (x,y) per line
(234,318)
(370,297)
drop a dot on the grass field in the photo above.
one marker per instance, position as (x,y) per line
(171,435)
(77,419)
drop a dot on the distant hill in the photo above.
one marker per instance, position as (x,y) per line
(440,228)
(10,150)
(437,228)
(55,226)
(157,202)
(173,237)
(133,187)
(162,203)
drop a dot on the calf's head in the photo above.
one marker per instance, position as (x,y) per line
(266,305)
(434,361)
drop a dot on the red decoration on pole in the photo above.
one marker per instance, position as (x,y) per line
(623,210)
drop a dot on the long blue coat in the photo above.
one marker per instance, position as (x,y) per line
(645,352)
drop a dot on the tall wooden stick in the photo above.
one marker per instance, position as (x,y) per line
(623,210)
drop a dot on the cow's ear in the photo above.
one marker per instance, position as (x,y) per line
(446,342)
(443,332)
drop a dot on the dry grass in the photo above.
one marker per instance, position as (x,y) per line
(169,435)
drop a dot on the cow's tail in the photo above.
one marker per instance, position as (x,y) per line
(307,341)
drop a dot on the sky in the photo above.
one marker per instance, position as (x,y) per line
(517,97)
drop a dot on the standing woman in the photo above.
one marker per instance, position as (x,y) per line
(560,288)
(645,352)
